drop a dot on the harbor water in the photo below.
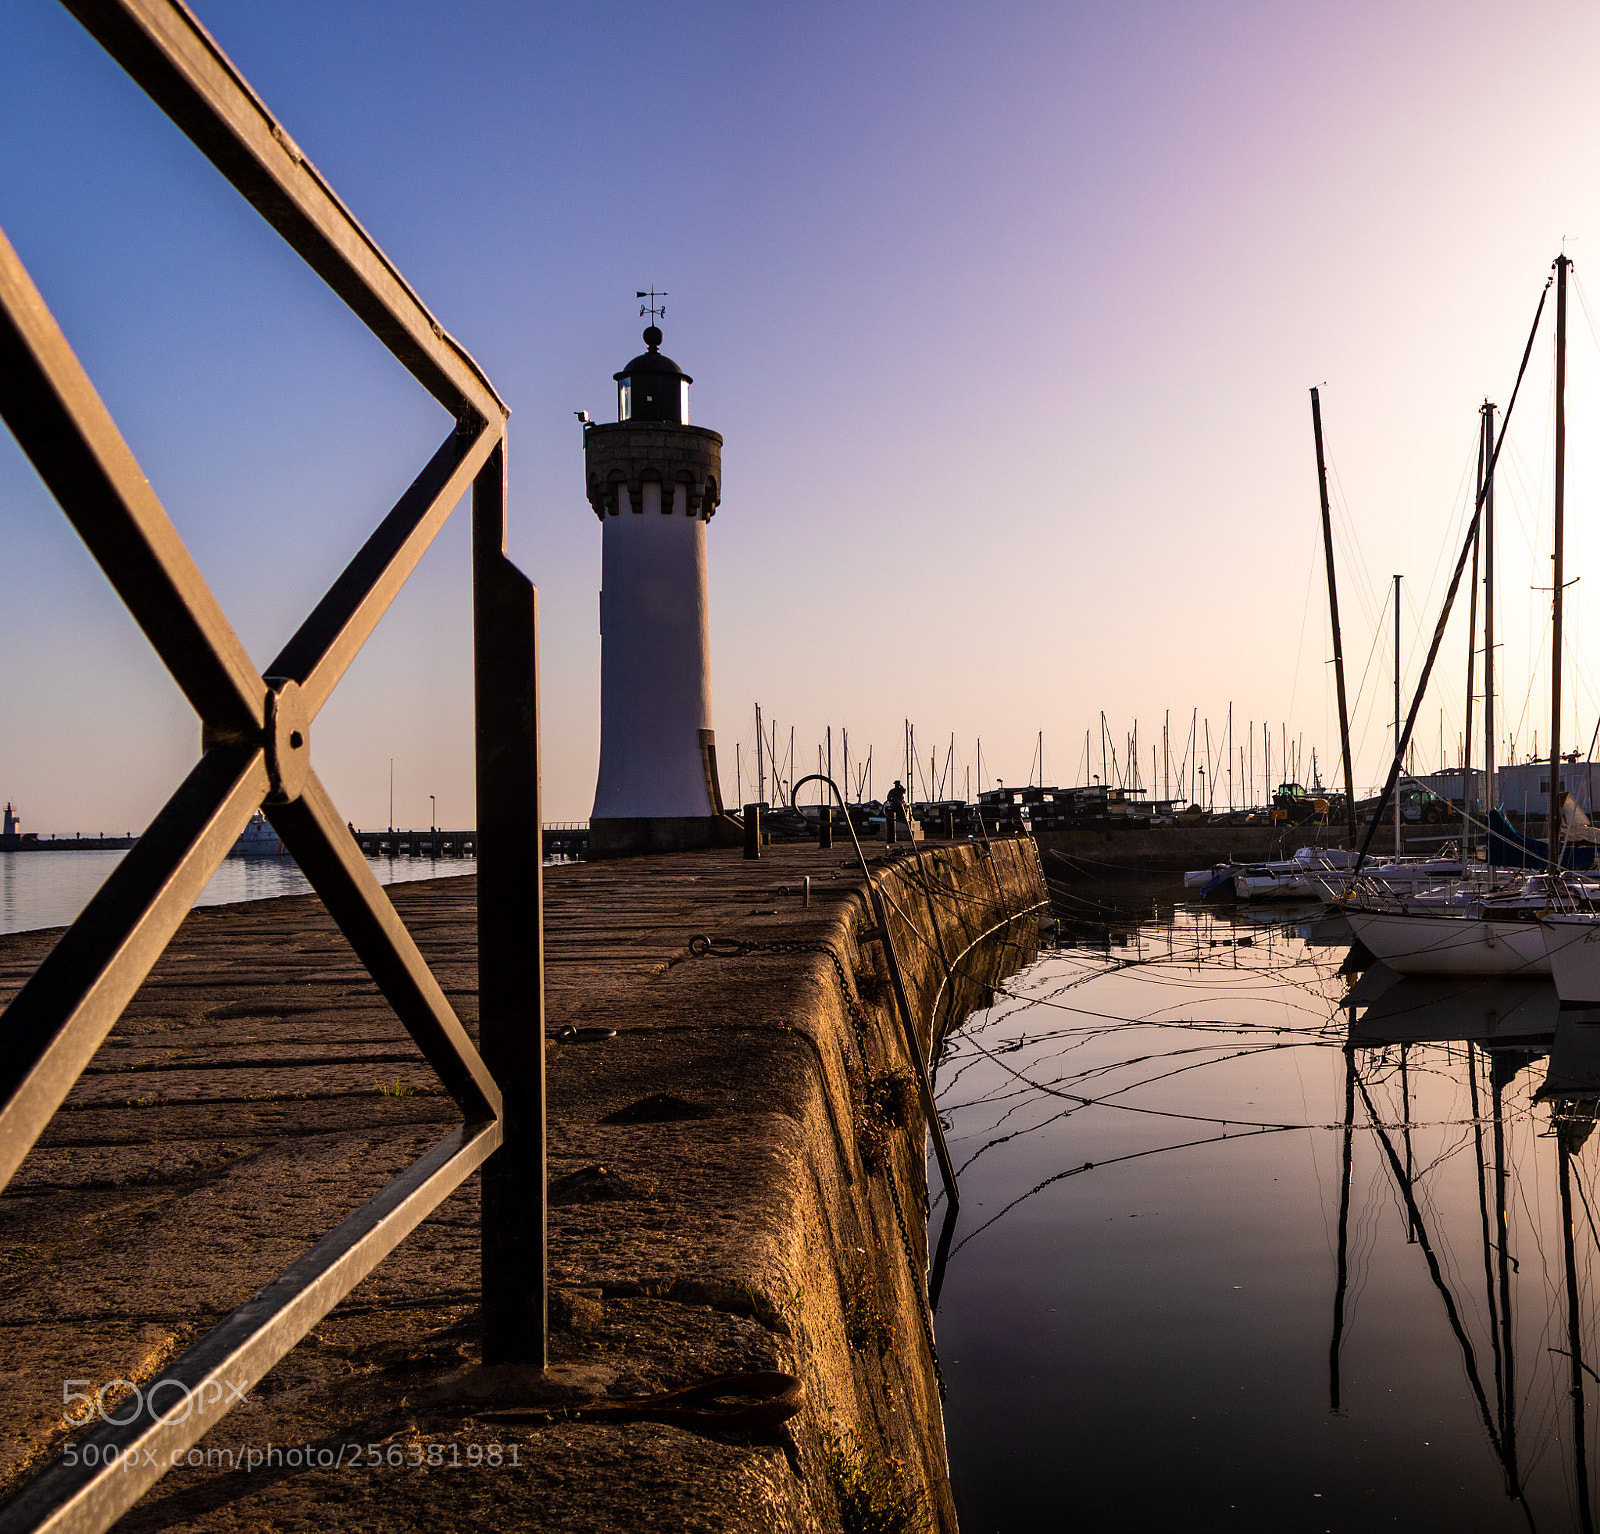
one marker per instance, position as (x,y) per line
(1241,1248)
(48,889)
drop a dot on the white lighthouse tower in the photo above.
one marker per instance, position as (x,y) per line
(655,481)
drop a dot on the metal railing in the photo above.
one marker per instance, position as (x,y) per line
(256,753)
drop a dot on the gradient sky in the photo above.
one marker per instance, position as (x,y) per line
(1007,315)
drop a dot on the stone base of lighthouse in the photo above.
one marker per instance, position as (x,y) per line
(628,838)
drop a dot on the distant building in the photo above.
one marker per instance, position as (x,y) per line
(1521,788)
(1525,789)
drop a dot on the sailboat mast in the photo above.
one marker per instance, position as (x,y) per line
(1489,798)
(1562,263)
(1472,642)
(1397,798)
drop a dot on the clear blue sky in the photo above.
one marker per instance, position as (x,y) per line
(1007,315)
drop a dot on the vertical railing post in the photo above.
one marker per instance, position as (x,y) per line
(510,930)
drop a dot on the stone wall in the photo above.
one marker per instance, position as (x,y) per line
(1173,849)
(948,911)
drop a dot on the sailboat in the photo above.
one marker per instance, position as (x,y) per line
(1480,931)
(1479,941)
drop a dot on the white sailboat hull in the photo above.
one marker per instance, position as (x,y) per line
(1573,943)
(1417,944)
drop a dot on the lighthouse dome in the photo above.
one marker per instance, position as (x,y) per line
(653,387)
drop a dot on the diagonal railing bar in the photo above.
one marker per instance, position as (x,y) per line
(235,1354)
(329,857)
(179,65)
(59,1018)
(62,425)
(339,625)
(256,737)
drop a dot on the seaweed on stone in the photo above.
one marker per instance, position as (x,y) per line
(866,1326)
(882,1106)
(870,1487)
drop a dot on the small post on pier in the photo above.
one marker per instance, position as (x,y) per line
(752,831)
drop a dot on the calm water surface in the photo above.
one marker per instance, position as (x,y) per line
(1229,1254)
(48,889)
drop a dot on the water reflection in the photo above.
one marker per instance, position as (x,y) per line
(49,889)
(1253,1237)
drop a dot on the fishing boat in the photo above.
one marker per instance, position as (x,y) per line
(258,840)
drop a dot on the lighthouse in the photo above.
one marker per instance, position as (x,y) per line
(654,481)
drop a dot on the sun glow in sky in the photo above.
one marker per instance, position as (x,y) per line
(1007,315)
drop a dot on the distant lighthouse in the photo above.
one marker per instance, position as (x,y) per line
(655,481)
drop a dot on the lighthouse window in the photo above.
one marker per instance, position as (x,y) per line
(624,399)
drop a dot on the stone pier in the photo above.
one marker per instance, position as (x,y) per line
(738,1185)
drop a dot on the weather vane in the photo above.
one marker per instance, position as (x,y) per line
(653,309)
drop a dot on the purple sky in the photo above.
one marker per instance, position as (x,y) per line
(1007,315)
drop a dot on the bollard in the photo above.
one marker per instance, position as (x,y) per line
(752,830)
(825,828)
(949,825)
(805,898)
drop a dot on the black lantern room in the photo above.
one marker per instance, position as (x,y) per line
(653,387)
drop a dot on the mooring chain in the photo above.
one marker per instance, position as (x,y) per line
(702,946)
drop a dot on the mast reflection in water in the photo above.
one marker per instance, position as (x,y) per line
(1252,1240)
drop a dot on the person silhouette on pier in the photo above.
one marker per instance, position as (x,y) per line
(896,805)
